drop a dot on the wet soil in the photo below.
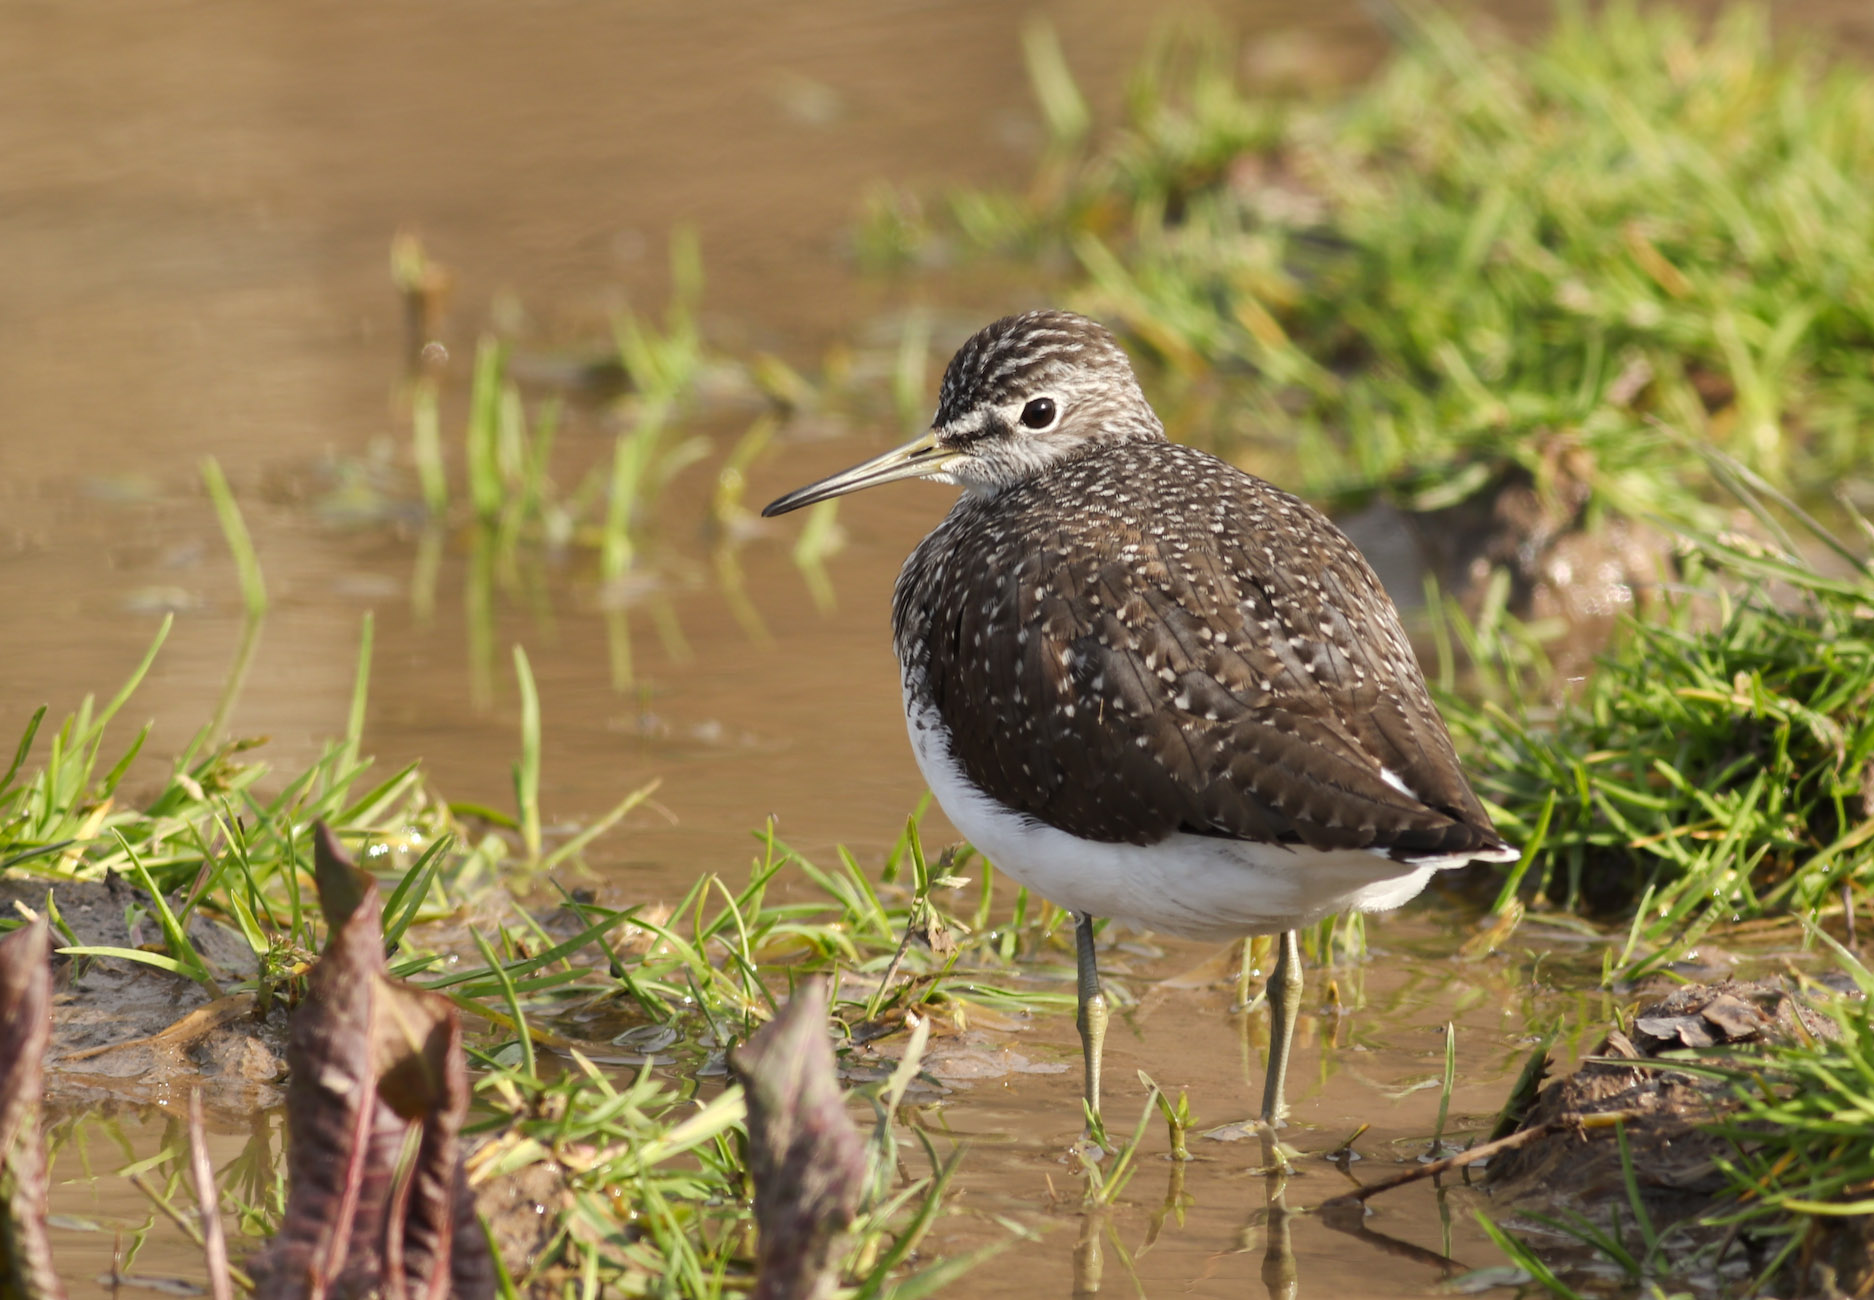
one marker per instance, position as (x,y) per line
(198,201)
(1575,1170)
(129,1043)
(1664,1108)
(127,1033)
(1369,1050)
(1583,579)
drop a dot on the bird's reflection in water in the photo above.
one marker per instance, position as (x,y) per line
(1271,1225)
(1088,1263)
(1279,1274)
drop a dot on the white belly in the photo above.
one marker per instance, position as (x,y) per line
(1197,886)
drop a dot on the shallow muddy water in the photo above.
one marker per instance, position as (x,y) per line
(197,201)
(1215,1226)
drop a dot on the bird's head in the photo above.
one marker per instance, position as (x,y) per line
(1023,394)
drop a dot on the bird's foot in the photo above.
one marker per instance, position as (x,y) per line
(1093,1138)
(1277,1156)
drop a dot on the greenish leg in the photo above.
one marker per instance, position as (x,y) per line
(1284,1010)
(1093,1012)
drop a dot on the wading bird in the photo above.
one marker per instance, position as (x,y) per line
(1149,686)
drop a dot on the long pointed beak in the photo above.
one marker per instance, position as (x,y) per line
(919,458)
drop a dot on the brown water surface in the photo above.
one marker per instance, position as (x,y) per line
(1202,1228)
(196,203)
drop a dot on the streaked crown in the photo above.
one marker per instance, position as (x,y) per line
(1027,393)
(1032,390)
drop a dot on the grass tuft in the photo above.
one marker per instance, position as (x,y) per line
(1493,265)
(1718,763)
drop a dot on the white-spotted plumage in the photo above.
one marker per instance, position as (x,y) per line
(1149,686)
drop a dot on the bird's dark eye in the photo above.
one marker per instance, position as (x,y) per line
(1038,414)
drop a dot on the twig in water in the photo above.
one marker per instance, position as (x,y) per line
(1476,1153)
(202,1173)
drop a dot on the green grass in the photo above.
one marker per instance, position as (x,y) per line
(505,465)
(1713,766)
(702,973)
(653,1158)
(656,1176)
(562,1014)
(1622,270)
(1491,264)
(1796,1186)
(706,975)
(528,504)
(502,480)
(1804,1168)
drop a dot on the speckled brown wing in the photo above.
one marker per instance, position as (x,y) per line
(1154,642)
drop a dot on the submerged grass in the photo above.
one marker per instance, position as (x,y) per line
(506,460)
(649,1141)
(600,1033)
(528,503)
(516,509)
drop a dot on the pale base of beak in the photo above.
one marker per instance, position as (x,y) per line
(922,457)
